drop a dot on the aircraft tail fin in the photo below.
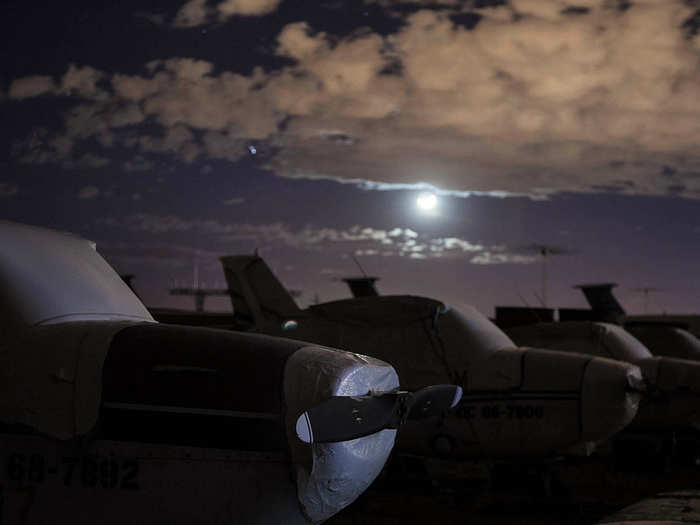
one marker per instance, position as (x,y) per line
(256,294)
(362,286)
(601,299)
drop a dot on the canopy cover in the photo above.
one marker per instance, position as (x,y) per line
(51,277)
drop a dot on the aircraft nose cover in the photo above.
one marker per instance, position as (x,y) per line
(610,397)
(607,389)
(330,476)
(677,381)
(679,374)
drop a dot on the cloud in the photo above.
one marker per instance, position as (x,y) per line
(296,41)
(88,192)
(98,121)
(82,82)
(156,253)
(519,106)
(359,240)
(28,87)
(224,145)
(137,164)
(418,3)
(533,97)
(196,12)
(229,8)
(183,97)
(41,148)
(177,140)
(88,161)
(502,258)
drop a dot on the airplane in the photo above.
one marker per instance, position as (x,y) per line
(673,400)
(664,335)
(517,403)
(107,416)
(666,340)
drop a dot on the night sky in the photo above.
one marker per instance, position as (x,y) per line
(172,133)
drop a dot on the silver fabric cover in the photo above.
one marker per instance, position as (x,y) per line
(667,341)
(330,476)
(48,277)
(600,339)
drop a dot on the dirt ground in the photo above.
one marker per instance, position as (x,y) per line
(574,492)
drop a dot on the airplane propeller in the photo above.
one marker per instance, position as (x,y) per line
(343,418)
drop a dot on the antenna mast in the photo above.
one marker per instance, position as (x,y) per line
(358,265)
(545,251)
(645,290)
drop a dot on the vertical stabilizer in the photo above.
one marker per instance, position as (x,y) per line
(601,298)
(362,286)
(256,294)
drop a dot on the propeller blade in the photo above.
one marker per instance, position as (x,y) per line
(343,418)
(434,400)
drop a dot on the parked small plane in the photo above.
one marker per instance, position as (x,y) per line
(664,335)
(666,340)
(517,402)
(674,384)
(109,417)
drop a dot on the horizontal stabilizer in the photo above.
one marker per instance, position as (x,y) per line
(343,418)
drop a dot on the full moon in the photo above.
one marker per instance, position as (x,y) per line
(426,201)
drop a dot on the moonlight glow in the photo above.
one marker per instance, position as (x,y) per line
(426,202)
